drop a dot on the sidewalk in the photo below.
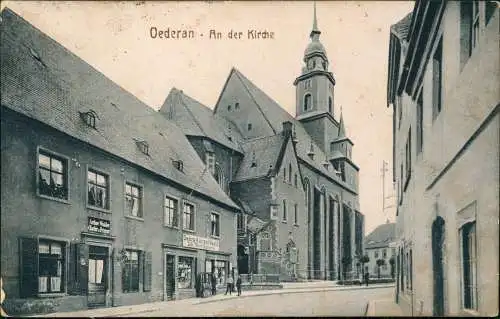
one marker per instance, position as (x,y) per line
(385,308)
(175,307)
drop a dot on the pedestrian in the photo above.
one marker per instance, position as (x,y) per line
(229,286)
(367,277)
(214,284)
(238,285)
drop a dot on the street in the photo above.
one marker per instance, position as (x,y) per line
(306,303)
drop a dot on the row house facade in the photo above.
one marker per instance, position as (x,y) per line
(443,85)
(293,177)
(104,201)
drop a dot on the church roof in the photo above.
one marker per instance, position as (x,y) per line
(276,115)
(381,236)
(44,81)
(261,156)
(196,119)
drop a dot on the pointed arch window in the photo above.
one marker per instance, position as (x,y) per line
(307,102)
(284,211)
(290,173)
(219,177)
(330,105)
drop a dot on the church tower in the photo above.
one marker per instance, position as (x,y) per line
(315,92)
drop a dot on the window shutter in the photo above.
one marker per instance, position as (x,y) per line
(73,270)
(83,267)
(147,270)
(29,266)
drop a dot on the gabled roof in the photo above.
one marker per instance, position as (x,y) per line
(196,119)
(381,236)
(44,81)
(264,153)
(275,115)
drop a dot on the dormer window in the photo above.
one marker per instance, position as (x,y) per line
(143,146)
(89,118)
(178,164)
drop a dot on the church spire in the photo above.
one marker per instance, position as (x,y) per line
(341,125)
(315,31)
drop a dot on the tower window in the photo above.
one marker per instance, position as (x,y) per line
(324,66)
(330,105)
(229,107)
(307,102)
(249,126)
(237,106)
(314,64)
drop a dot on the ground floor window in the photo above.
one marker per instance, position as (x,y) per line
(469,265)
(185,267)
(130,272)
(51,260)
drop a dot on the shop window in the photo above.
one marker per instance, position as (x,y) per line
(215,224)
(188,216)
(97,189)
(185,272)
(220,272)
(469,266)
(52,176)
(171,212)
(133,200)
(130,271)
(51,260)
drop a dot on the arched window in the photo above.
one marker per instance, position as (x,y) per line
(330,105)
(307,189)
(290,173)
(296,180)
(284,211)
(307,102)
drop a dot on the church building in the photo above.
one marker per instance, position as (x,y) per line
(293,177)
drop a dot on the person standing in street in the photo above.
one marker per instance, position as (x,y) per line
(238,285)
(229,285)
(214,284)
(367,277)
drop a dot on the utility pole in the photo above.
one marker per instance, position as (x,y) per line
(384,198)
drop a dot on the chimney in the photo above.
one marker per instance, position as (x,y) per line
(287,128)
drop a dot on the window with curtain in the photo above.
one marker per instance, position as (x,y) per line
(98,189)
(133,200)
(171,212)
(185,272)
(51,266)
(52,176)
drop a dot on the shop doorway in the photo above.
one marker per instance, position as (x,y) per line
(170,276)
(97,276)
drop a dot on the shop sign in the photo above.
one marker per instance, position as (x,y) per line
(197,242)
(97,225)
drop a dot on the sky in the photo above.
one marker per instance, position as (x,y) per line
(115,38)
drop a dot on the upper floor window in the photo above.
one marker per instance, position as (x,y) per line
(214,224)
(171,212)
(376,253)
(229,107)
(290,173)
(237,106)
(384,253)
(490,8)
(420,123)
(330,105)
(284,211)
(408,158)
(307,102)
(437,80)
(188,216)
(469,29)
(98,189)
(296,180)
(133,200)
(469,266)
(52,175)
(249,126)
(284,174)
